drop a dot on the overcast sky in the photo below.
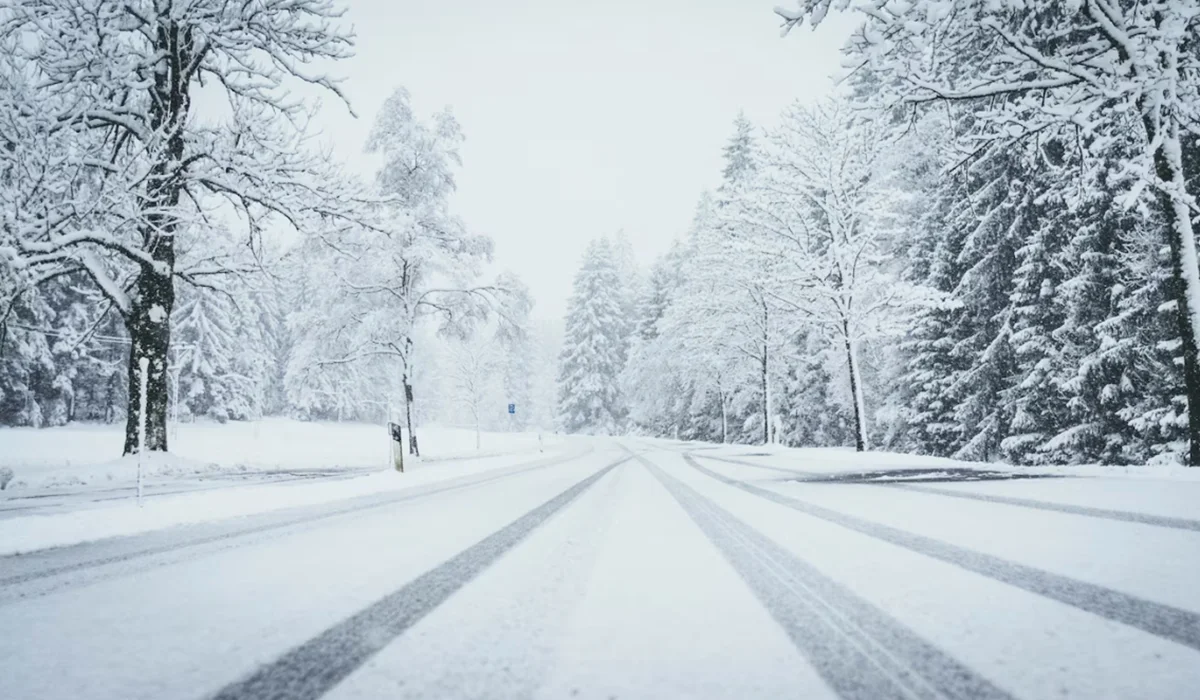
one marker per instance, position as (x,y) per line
(581,118)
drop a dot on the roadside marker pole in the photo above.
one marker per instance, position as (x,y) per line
(144,365)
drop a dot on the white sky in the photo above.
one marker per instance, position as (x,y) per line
(580,117)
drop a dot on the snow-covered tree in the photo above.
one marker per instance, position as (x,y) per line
(474,378)
(415,263)
(545,342)
(632,284)
(104,161)
(221,358)
(590,363)
(708,360)
(1090,72)
(727,327)
(518,347)
(813,216)
(739,152)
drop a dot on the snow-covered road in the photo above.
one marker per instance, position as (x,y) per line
(635,570)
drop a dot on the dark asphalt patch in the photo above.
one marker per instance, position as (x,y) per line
(860,651)
(310,670)
(910,475)
(928,475)
(782,470)
(1166,621)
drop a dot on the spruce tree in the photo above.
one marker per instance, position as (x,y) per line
(590,363)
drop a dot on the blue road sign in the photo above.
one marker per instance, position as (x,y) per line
(512,408)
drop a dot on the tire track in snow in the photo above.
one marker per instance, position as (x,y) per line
(1165,621)
(783,470)
(860,651)
(310,670)
(1087,511)
(47,503)
(1105,513)
(85,557)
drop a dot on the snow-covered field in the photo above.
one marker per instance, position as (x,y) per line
(89,454)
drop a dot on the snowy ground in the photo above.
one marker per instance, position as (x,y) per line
(845,459)
(672,572)
(221,471)
(87,454)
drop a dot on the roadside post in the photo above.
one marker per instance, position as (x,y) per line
(512,412)
(396,436)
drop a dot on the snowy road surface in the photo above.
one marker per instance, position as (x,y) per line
(635,570)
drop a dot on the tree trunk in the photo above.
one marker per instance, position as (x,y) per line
(408,403)
(150,336)
(148,319)
(860,430)
(1185,283)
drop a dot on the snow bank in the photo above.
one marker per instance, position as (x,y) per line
(125,517)
(87,454)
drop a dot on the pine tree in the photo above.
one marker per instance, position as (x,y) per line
(1039,410)
(739,152)
(221,361)
(589,399)
(1087,377)
(1031,71)
(1143,340)
(985,326)
(811,416)
(632,284)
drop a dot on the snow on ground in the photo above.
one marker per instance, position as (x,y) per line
(1156,563)
(89,521)
(617,596)
(184,629)
(658,580)
(125,517)
(845,459)
(1166,497)
(88,454)
(993,627)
